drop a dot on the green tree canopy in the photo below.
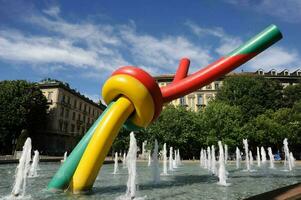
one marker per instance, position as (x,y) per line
(22,106)
(253,94)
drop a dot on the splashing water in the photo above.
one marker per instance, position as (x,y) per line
(164,173)
(209,158)
(124,160)
(258,157)
(246,147)
(251,158)
(238,158)
(271,156)
(263,155)
(213,161)
(35,165)
(149,160)
(22,170)
(170,159)
(226,153)
(222,170)
(155,164)
(116,163)
(287,161)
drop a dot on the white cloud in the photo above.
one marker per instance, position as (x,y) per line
(277,58)
(52,11)
(227,43)
(286,10)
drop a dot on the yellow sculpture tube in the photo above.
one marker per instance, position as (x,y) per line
(128,101)
(87,170)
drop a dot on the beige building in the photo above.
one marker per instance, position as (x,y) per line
(200,98)
(70,115)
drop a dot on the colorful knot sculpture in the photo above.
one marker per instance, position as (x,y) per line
(135,100)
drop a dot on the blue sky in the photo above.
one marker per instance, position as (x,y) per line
(83,42)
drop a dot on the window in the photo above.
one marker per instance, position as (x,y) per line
(200,99)
(72,128)
(260,72)
(49,96)
(67,113)
(62,111)
(68,100)
(73,116)
(84,119)
(191,102)
(286,73)
(75,102)
(80,105)
(65,127)
(182,101)
(208,87)
(299,73)
(273,72)
(78,117)
(89,109)
(63,98)
(216,86)
(85,108)
(60,125)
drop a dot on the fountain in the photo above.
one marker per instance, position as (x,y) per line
(155,164)
(251,158)
(35,165)
(124,160)
(263,155)
(174,161)
(131,164)
(178,158)
(144,143)
(22,170)
(116,163)
(164,173)
(65,157)
(226,153)
(246,147)
(213,161)
(149,159)
(271,156)
(222,170)
(170,159)
(238,158)
(287,161)
(258,157)
(209,159)
(292,159)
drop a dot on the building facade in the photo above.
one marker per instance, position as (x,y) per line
(200,98)
(70,115)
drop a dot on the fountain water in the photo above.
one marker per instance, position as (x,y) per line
(213,161)
(292,159)
(65,157)
(222,170)
(271,156)
(116,163)
(174,161)
(124,160)
(144,143)
(238,158)
(251,158)
(131,164)
(263,155)
(209,159)
(170,159)
(164,173)
(149,159)
(246,147)
(226,153)
(22,170)
(201,158)
(35,165)
(287,161)
(258,157)
(155,164)
(178,158)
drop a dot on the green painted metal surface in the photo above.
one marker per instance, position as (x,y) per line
(259,42)
(63,176)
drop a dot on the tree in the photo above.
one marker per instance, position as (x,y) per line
(222,122)
(253,94)
(291,94)
(22,106)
